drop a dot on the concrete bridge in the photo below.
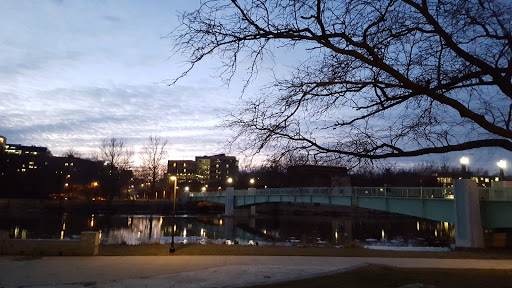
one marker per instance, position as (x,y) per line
(470,208)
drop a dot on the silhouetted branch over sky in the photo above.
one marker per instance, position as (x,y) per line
(371,79)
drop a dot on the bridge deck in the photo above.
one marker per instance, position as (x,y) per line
(435,203)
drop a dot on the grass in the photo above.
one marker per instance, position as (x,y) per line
(382,276)
(270,250)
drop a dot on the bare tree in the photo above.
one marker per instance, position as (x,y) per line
(376,79)
(118,157)
(72,153)
(153,155)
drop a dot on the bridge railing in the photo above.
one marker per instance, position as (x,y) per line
(208,194)
(413,192)
(490,193)
(496,193)
(295,191)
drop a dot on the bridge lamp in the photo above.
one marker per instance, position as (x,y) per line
(252,181)
(175,179)
(187,189)
(203,189)
(464,161)
(230,181)
(502,164)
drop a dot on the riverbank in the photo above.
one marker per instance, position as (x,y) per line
(216,271)
(271,250)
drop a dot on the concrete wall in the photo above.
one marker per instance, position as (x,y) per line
(87,246)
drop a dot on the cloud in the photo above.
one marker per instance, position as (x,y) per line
(80,118)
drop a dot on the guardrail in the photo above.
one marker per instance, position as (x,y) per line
(495,194)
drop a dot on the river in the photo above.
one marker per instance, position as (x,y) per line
(346,229)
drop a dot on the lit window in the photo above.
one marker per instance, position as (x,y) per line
(66,164)
(184,164)
(227,165)
(184,170)
(174,165)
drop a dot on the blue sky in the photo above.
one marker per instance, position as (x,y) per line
(74,72)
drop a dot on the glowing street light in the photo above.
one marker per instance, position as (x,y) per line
(464,161)
(175,179)
(252,181)
(502,164)
(230,181)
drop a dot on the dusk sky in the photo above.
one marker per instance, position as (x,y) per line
(75,72)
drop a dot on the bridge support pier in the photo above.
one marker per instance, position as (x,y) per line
(468,225)
(229,207)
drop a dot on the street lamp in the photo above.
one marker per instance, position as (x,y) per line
(230,181)
(175,179)
(464,161)
(502,164)
(252,181)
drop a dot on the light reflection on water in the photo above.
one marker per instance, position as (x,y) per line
(371,229)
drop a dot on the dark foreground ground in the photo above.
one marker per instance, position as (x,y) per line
(364,276)
(271,250)
(385,276)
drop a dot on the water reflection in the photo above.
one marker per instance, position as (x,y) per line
(345,230)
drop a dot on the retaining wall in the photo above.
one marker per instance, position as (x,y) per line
(87,246)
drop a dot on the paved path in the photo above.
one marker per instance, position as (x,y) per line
(196,271)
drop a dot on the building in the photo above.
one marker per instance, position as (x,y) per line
(33,172)
(208,172)
(221,167)
(185,170)
(318,176)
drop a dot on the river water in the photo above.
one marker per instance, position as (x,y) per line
(362,229)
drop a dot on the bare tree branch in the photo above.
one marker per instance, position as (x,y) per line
(376,79)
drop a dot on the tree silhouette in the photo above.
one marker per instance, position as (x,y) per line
(118,157)
(153,155)
(375,79)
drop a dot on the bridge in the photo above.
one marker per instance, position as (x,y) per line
(473,208)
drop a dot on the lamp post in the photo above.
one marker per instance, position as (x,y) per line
(251,182)
(172,249)
(502,164)
(464,161)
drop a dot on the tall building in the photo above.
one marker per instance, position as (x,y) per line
(22,170)
(185,170)
(205,171)
(221,167)
(32,172)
